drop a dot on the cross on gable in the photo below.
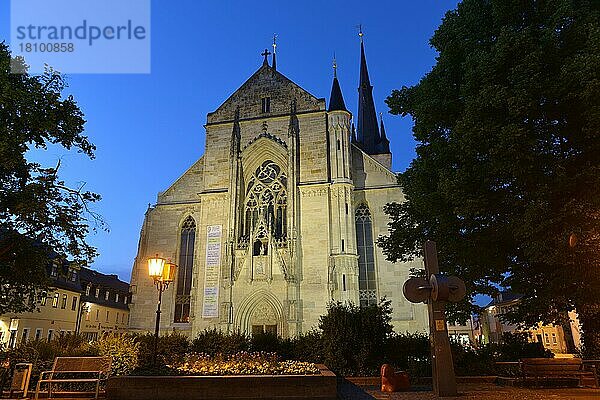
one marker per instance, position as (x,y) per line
(265,53)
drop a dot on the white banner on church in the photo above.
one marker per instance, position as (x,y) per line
(210,306)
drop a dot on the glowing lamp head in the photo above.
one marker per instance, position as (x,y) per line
(169,271)
(156,267)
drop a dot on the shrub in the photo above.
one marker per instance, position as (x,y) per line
(409,352)
(266,343)
(171,349)
(213,341)
(354,338)
(123,351)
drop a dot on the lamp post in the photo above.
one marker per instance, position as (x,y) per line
(163,273)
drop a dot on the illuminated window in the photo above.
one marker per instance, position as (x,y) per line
(184,275)
(55,300)
(44,298)
(367,291)
(266,199)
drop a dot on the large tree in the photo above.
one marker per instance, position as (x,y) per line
(507,173)
(39,214)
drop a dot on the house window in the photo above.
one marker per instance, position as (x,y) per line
(88,289)
(106,295)
(44,298)
(54,271)
(117,318)
(74,304)
(55,300)
(338,144)
(87,316)
(107,313)
(73,275)
(184,276)
(38,334)
(97,292)
(367,291)
(97,315)
(63,305)
(344,282)
(25,335)
(266,105)
(346,208)
(116,297)
(50,332)
(343,248)
(546,338)
(554,338)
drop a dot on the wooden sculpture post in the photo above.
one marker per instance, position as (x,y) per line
(442,367)
(435,291)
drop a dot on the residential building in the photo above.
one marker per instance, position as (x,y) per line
(104,307)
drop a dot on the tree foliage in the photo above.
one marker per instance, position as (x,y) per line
(507,173)
(39,213)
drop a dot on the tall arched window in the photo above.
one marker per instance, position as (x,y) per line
(367,291)
(266,196)
(184,276)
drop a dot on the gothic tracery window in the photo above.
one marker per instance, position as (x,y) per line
(266,198)
(184,275)
(367,290)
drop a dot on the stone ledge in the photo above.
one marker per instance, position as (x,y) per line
(284,387)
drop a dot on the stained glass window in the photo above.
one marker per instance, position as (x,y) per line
(367,290)
(184,275)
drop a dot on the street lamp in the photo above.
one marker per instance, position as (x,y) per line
(163,273)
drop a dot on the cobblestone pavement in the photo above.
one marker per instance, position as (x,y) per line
(348,391)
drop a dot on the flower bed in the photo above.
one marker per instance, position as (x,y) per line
(320,385)
(242,363)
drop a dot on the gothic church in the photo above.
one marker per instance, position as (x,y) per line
(278,217)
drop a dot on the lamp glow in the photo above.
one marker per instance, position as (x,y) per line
(156,266)
(168,274)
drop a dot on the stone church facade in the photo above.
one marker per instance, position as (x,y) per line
(277,218)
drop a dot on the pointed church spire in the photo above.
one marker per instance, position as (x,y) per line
(367,128)
(274,66)
(336,100)
(384,144)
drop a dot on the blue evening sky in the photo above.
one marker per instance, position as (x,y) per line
(149,128)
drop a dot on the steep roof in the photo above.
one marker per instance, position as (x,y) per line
(336,100)
(367,130)
(266,81)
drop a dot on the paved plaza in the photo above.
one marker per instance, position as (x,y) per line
(348,391)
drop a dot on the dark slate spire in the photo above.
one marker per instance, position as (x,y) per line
(336,100)
(384,144)
(367,131)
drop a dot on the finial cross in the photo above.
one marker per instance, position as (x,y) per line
(266,54)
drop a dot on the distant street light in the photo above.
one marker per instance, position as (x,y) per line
(163,273)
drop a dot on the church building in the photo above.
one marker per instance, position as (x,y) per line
(278,217)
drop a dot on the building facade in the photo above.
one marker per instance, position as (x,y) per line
(278,217)
(56,312)
(104,304)
(556,338)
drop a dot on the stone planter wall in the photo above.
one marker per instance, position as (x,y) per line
(288,387)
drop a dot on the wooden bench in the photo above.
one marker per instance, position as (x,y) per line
(75,370)
(557,370)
